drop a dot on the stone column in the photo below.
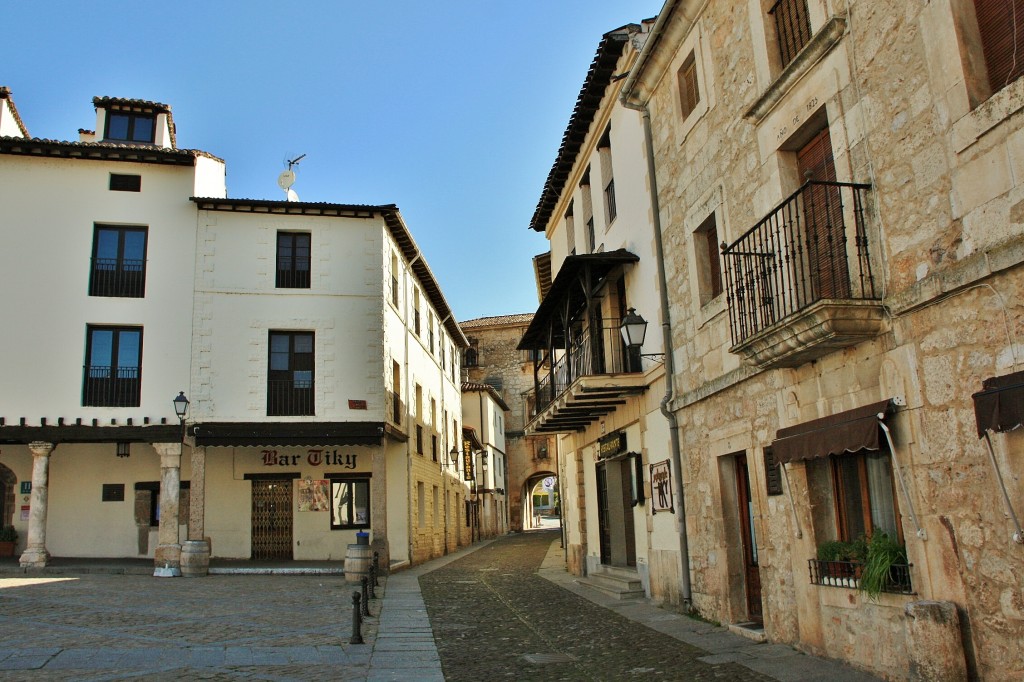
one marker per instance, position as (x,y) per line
(168,550)
(197,495)
(35,554)
(379,506)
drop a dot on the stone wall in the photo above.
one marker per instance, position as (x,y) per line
(946,241)
(499,359)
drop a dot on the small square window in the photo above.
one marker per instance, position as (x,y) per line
(350,501)
(130,127)
(113,492)
(125,183)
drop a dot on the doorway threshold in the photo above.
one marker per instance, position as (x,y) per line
(750,630)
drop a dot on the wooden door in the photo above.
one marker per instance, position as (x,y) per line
(825,233)
(603,515)
(751,572)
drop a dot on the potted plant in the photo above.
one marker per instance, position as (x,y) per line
(841,561)
(8,538)
(883,553)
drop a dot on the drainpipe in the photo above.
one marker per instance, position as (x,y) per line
(408,420)
(666,333)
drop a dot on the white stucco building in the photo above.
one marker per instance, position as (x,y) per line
(319,354)
(599,398)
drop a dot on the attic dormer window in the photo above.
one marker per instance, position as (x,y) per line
(130,127)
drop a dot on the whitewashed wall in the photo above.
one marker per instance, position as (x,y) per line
(50,208)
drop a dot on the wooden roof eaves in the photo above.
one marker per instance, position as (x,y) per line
(592,93)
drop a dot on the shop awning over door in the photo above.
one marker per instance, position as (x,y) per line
(999,405)
(849,431)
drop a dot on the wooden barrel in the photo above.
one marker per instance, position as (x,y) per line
(195,559)
(357,562)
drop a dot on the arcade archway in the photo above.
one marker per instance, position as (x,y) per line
(541,504)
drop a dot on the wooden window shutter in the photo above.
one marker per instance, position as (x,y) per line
(689,92)
(772,473)
(1001,27)
(714,263)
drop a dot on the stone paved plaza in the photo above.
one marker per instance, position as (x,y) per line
(503,610)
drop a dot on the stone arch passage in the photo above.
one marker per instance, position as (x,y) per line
(540,502)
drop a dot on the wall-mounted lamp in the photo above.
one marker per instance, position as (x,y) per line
(634,330)
(181,406)
(454,454)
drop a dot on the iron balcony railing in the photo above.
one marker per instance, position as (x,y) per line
(106,386)
(792,28)
(812,247)
(292,273)
(597,351)
(847,574)
(118,277)
(290,398)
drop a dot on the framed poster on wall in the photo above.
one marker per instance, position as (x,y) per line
(661,488)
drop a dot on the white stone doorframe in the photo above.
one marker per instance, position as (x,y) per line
(35,554)
(168,550)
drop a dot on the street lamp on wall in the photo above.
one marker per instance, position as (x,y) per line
(181,409)
(634,330)
(454,454)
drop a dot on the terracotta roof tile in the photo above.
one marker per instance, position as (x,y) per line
(497,320)
(104,151)
(473,387)
(5,93)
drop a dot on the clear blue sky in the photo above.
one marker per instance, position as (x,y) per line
(453,110)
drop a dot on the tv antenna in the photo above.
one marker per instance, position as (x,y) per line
(287,178)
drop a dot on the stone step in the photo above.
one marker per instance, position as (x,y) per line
(615,583)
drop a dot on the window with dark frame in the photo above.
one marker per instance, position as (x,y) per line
(120,182)
(350,501)
(604,151)
(113,492)
(865,496)
(124,126)
(113,369)
(293,260)
(416,313)
(118,261)
(689,90)
(709,264)
(792,28)
(290,375)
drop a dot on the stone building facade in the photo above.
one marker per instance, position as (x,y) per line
(494,359)
(840,188)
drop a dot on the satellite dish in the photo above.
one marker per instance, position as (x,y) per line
(286,179)
(292,196)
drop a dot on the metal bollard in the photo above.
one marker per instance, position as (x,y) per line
(366,595)
(376,568)
(373,581)
(357,621)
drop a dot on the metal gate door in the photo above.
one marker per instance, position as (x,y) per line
(272,519)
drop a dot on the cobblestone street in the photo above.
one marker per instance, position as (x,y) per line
(496,617)
(503,609)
